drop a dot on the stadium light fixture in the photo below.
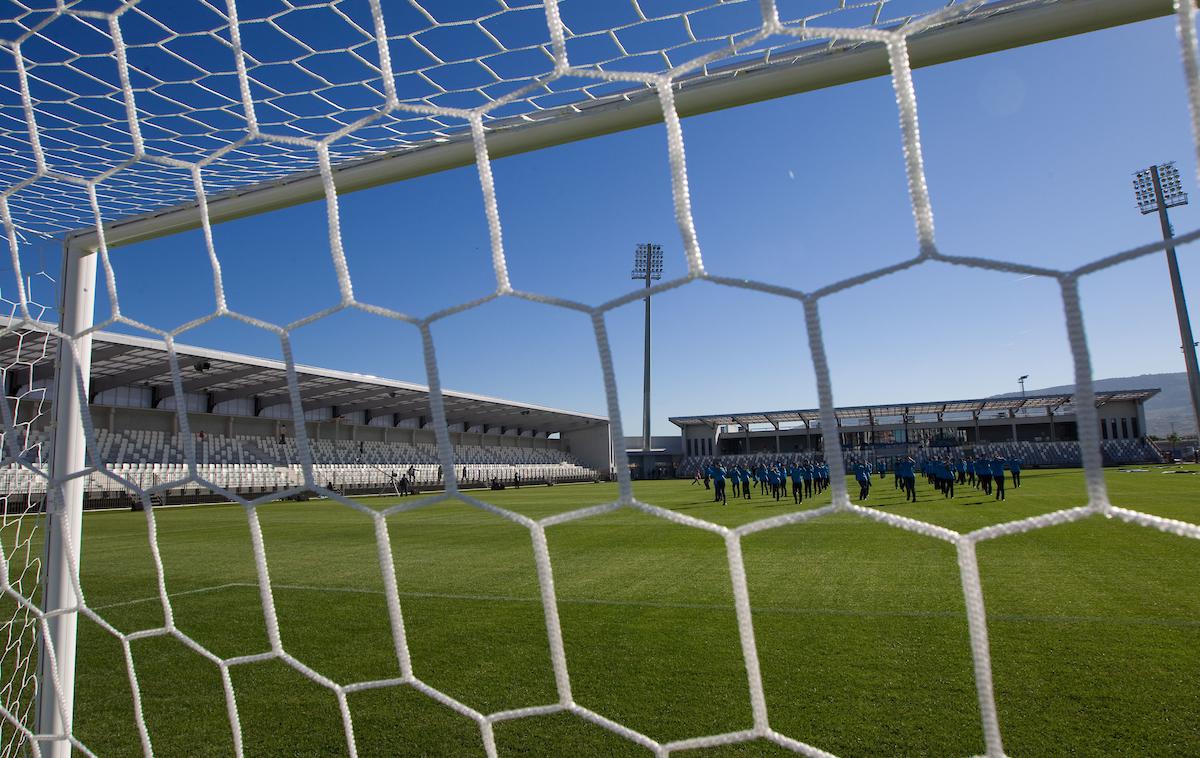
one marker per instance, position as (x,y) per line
(1158,186)
(648,266)
(1156,189)
(1021,381)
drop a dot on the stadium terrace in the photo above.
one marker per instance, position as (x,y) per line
(363,431)
(1033,419)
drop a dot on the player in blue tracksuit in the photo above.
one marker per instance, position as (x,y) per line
(797,474)
(863,475)
(746,479)
(1014,465)
(773,480)
(907,469)
(998,476)
(947,472)
(735,481)
(983,469)
(719,480)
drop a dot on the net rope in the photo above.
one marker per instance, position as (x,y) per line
(265,139)
(26,411)
(248,96)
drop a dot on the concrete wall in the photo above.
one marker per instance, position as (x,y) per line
(703,440)
(672,445)
(1119,420)
(592,446)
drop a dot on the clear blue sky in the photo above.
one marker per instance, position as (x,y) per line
(1029,156)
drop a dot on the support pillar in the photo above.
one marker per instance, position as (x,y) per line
(64,518)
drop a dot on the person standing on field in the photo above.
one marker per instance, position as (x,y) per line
(998,476)
(719,484)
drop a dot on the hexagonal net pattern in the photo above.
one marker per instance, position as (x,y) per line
(113,98)
(25,466)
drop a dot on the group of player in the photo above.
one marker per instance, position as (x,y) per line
(807,478)
(986,473)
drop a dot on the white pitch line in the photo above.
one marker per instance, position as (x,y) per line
(783,610)
(155,598)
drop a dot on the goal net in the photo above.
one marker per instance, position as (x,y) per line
(132,121)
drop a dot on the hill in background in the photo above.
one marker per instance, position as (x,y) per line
(1170,406)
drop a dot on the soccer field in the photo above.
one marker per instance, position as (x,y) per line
(861,629)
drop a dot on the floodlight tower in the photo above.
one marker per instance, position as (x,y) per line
(1157,189)
(1021,381)
(647,265)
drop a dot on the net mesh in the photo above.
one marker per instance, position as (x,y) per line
(112,98)
(22,492)
(246,90)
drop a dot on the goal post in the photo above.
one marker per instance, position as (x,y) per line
(968,28)
(64,504)
(1009,24)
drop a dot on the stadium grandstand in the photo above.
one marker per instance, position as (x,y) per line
(1042,430)
(365,433)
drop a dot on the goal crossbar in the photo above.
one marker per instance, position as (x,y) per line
(1010,25)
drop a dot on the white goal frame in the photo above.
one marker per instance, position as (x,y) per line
(1021,24)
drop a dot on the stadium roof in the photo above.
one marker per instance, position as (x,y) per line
(980,405)
(120,360)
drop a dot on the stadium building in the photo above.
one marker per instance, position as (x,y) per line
(1042,429)
(365,432)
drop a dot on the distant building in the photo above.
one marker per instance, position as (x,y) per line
(666,453)
(1035,418)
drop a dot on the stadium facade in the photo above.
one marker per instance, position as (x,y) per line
(1029,419)
(364,431)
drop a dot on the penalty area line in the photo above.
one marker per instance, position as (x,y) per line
(781,610)
(154,598)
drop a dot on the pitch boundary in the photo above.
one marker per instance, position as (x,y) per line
(779,610)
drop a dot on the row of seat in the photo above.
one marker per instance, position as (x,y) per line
(144,446)
(1068,454)
(253,479)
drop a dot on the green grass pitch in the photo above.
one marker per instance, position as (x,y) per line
(861,630)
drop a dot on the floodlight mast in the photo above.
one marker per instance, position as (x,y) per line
(647,265)
(1156,189)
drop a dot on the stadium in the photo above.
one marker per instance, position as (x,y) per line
(365,433)
(298,292)
(1040,429)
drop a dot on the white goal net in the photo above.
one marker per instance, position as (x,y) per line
(129,121)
